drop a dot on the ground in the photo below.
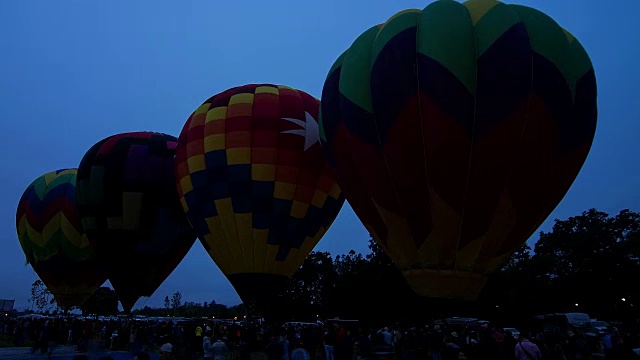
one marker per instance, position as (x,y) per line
(67,353)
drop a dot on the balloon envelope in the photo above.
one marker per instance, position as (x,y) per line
(50,234)
(131,211)
(254,184)
(455,131)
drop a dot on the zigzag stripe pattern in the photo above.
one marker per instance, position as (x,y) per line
(47,221)
(51,236)
(457,129)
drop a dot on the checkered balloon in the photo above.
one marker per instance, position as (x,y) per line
(131,213)
(254,183)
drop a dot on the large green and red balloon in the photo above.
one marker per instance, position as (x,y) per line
(455,131)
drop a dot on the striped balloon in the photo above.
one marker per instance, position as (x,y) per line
(51,236)
(455,131)
(131,211)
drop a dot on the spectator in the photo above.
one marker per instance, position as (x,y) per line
(219,350)
(526,350)
(166,352)
(300,353)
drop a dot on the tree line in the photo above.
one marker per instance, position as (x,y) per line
(173,306)
(586,263)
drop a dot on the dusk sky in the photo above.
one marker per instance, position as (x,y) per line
(74,72)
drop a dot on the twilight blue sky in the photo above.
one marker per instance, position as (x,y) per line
(73,72)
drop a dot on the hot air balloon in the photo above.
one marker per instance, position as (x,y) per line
(255,186)
(455,131)
(50,234)
(131,211)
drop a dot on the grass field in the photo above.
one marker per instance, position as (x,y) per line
(6,341)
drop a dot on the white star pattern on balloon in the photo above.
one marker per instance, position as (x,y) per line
(309,130)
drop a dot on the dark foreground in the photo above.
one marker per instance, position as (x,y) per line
(62,352)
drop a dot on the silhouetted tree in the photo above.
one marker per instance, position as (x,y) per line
(589,260)
(519,260)
(197,310)
(176,300)
(311,285)
(41,297)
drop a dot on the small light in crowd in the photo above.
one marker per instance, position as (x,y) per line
(576,304)
(623,299)
(497,306)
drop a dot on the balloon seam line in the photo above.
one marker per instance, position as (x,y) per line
(424,145)
(473,138)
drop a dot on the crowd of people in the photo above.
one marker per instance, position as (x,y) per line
(444,342)
(213,340)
